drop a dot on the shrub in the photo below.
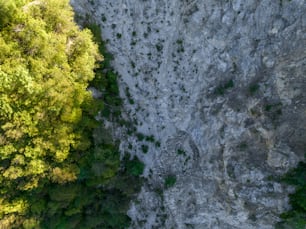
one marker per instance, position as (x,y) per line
(181,152)
(253,88)
(221,89)
(134,167)
(145,148)
(170,181)
(296,216)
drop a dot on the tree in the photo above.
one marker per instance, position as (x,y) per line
(46,63)
(53,172)
(296,216)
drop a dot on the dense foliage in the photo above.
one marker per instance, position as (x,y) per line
(296,217)
(53,173)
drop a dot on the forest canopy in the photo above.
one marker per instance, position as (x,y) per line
(46,62)
(51,173)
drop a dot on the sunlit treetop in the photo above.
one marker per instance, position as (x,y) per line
(46,62)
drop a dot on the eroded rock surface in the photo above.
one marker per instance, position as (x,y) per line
(222,86)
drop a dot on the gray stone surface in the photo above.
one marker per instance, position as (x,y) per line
(178,59)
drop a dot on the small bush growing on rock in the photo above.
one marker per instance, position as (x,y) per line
(134,167)
(159,47)
(243,146)
(118,35)
(181,152)
(150,138)
(157,143)
(253,89)
(140,136)
(145,148)
(170,181)
(274,111)
(221,89)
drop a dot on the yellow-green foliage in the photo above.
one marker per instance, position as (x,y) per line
(46,62)
(53,173)
(45,65)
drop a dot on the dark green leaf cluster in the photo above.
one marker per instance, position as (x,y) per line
(170,181)
(105,78)
(296,217)
(221,89)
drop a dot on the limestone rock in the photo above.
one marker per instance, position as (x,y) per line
(221,85)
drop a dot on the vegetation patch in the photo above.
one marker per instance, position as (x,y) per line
(159,47)
(181,152)
(221,89)
(253,89)
(157,143)
(170,181)
(144,148)
(119,35)
(296,216)
(150,138)
(129,96)
(133,167)
(53,172)
(140,136)
(273,110)
(243,146)
(105,79)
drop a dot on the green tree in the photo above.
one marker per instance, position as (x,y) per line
(46,63)
(53,172)
(296,216)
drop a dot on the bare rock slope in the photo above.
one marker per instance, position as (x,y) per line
(221,85)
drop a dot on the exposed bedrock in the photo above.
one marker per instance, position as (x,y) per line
(222,86)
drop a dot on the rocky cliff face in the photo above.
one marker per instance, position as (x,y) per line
(222,86)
